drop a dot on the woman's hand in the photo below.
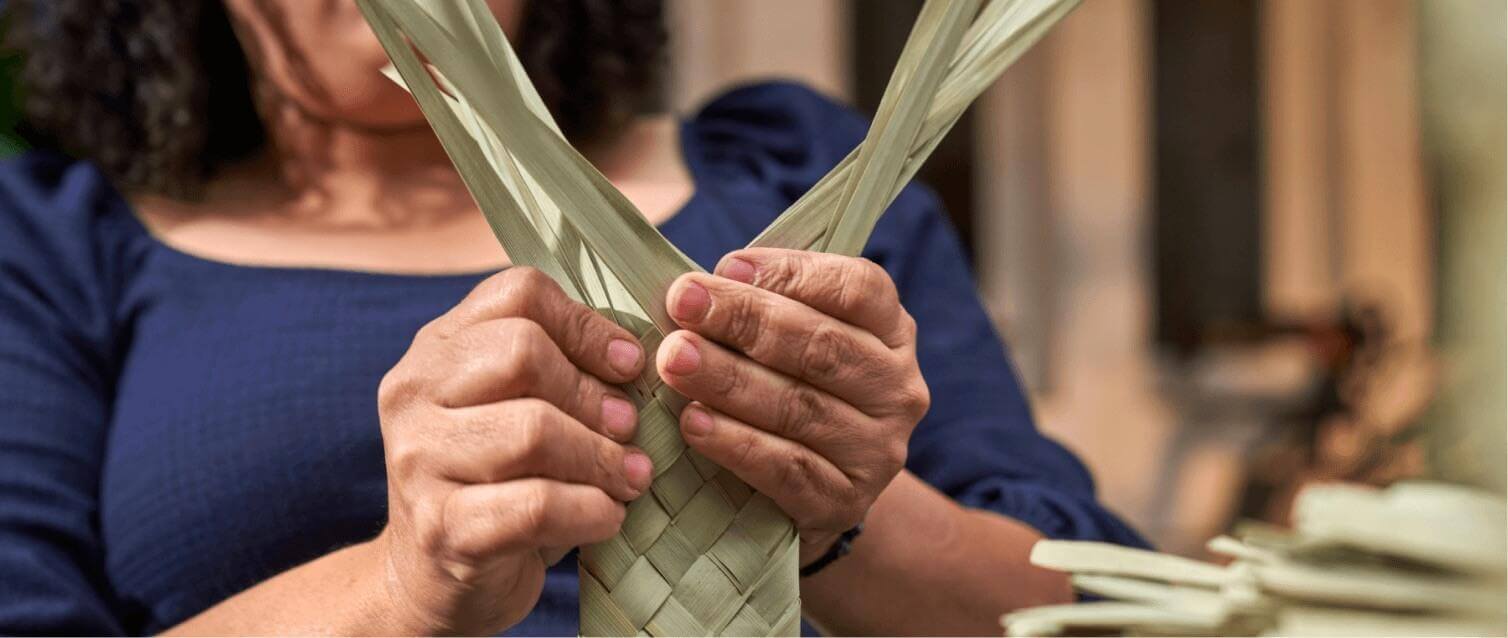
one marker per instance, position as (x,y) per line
(503,439)
(803,374)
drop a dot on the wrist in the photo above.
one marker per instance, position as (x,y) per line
(394,602)
(815,545)
(837,548)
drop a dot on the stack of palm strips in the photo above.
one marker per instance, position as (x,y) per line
(1416,559)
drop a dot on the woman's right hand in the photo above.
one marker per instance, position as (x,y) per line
(505,446)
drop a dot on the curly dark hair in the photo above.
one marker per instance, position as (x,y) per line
(157,92)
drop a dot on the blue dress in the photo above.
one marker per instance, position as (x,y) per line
(174,430)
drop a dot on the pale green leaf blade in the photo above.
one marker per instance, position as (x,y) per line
(882,155)
(606,220)
(1005,30)
(520,240)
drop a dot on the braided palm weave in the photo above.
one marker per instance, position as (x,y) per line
(701,553)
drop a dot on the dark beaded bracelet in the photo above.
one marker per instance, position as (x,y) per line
(839,549)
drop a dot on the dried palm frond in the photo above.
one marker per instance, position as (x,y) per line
(702,553)
(1415,559)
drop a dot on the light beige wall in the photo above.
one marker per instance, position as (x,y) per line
(1387,231)
(716,43)
(1345,208)
(1300,259)
(1016,249)
(1064,170)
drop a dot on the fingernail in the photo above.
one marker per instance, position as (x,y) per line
(737,270)
(691,302)
(684,358)
(638,469)
(698,421)
(624,356)
(618,418)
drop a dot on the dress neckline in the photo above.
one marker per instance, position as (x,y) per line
(688,155)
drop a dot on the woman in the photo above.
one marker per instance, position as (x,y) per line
(282,380)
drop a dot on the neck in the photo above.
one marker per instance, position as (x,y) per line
(353,176)
(335,174)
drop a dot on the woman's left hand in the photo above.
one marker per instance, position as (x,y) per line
(803,375)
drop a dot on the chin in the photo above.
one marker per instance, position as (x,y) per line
(380,104)
(352,90)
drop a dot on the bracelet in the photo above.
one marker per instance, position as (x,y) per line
(839,549)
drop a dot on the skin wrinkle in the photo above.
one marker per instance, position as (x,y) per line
(342,180)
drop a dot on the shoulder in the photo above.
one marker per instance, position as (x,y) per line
(779,137)
(50,198)
(771,141)
(66,235)
(799,126)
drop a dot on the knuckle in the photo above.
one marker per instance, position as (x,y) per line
(823,355)
(498,285)
(457,541)
(732,381)
(532,428)
(796,475)
(798,411)
(780,274)
(745,322)
(430,528)
(580,326)
(510,291)
(603,460)
(397,389)
(433,540)
(522,349)
(878,285)
(533,510)
(406,459)
(873,278)
(895,456)
(587,400)
(434,329)
(820,282)
(526,335)
(745,452)
(458,553)
(915,399)
(525,280)
(854,286)
(907,327)
(606,462)
(880,467)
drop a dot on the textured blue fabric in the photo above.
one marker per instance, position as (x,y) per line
(174,430)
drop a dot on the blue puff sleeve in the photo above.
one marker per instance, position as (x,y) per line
(763,146)
(55,390)
(979,443)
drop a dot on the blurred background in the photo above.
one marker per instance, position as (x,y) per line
(1236,247)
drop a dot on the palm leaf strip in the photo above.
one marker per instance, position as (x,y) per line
(701,553)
